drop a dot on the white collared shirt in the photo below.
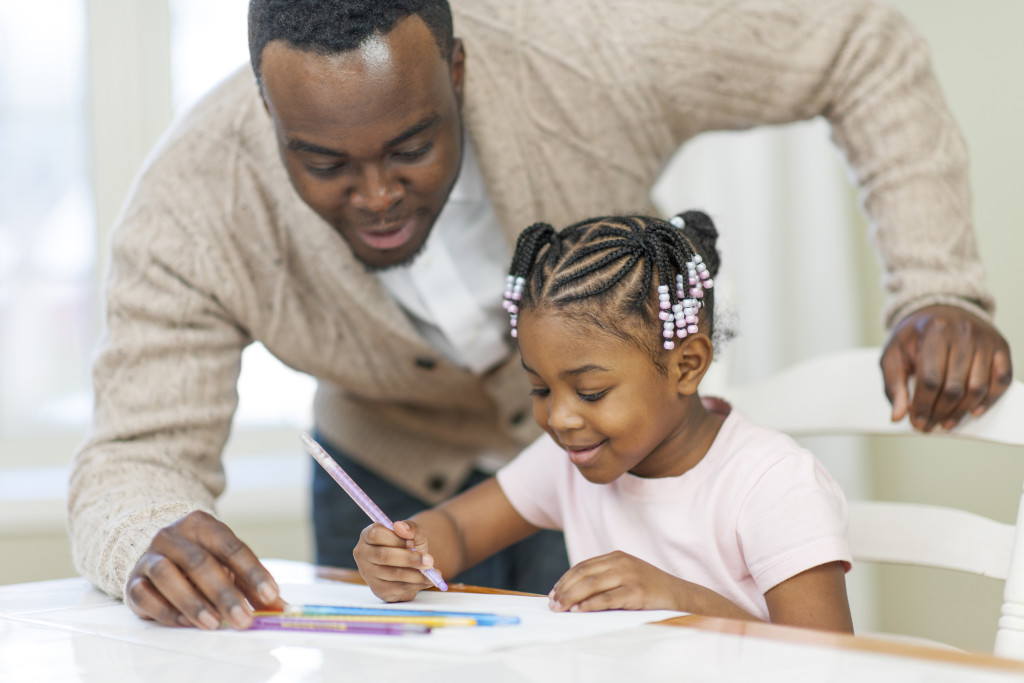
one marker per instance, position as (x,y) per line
(452,291)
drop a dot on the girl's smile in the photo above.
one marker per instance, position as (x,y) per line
(582,456)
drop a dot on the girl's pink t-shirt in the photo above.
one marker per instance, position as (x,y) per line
(756,510)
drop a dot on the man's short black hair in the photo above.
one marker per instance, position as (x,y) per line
(328,27)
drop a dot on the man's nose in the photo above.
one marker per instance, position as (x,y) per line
(376,190)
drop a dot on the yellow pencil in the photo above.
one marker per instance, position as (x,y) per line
(426,620)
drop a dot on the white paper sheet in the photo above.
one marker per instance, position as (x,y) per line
(537,624)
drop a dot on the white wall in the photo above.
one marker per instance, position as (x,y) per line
(979,59)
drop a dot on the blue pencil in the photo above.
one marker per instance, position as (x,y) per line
(482,619)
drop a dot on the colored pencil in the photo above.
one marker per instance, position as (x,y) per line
(481,618)
(433,620)
(268,623)
(359,496)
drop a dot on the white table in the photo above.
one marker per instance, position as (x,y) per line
(41,640)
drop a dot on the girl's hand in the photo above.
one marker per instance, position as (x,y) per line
(616,581)
(390,561)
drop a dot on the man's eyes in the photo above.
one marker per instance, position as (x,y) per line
(324,171)
(327,170)
(413,154)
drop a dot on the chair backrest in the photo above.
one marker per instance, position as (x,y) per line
(842,393)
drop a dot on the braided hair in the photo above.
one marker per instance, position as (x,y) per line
(621,273)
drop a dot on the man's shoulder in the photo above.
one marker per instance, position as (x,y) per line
(228,121)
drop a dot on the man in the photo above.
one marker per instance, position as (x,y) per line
(353,211)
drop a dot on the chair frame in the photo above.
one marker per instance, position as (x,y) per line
(892,532)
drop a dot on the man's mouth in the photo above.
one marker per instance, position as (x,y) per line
(387,236)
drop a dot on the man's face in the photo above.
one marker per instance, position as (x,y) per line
(372,138)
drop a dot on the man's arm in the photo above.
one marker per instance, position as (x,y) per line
(863,67)
(144,482)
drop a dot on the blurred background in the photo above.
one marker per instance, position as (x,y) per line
(88,86)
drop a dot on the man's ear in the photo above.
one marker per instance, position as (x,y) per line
(690,361)
(458,69)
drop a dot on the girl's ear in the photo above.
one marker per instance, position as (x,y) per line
(690,360)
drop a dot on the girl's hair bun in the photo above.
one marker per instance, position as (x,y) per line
(701,231)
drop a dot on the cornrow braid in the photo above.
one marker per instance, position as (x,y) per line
(528,246)
(606,269)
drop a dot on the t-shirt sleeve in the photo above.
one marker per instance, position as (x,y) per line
(532,482)
(793,519)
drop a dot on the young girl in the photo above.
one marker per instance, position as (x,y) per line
(665,504)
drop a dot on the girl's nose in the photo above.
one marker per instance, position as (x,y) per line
(563,417)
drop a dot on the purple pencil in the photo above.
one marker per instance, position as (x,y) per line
(336,626)
(359,496)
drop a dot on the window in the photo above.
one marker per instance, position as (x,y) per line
(86,88)
(48,288)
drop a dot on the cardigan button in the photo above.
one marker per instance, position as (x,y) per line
(426,363)
(517,418)
(436,482)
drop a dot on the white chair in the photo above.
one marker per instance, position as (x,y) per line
(842,393)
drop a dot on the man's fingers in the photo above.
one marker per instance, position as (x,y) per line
(896,368)
(976,388)
(929,379)
(192,557)
(147,602)
(244,569)
(1000,379)
(954,396)
(959,362)
(174,594)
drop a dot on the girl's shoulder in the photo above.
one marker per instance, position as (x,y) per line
(743,443)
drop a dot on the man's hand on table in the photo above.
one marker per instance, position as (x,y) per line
(196,572)
(960,364)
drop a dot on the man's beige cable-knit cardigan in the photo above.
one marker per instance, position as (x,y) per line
(573,107)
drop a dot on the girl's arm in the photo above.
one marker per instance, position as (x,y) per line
(815,598)
(452,537)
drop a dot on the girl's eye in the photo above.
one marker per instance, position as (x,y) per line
(540,392)
(591,397)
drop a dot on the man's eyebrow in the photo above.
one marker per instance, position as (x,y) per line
(303,146)
(414,129)
(590,367)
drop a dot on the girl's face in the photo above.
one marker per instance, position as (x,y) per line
(604,401)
